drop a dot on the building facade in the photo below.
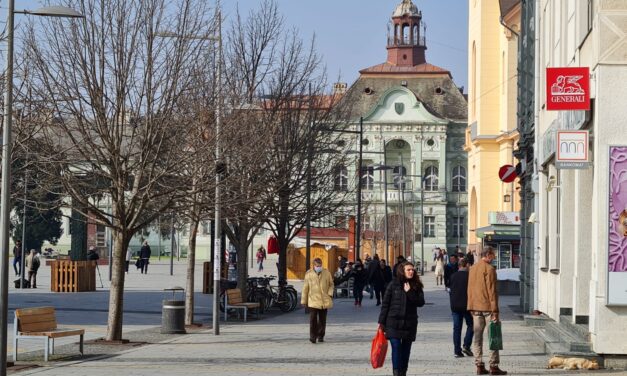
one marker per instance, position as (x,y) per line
(582,272)
(491,136)
(414,167)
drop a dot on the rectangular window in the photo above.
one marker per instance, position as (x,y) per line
(458,227)
(429,229)
(101,232)
(205,230)
(367,178)
(365,223)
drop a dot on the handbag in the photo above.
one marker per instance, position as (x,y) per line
(495,337)
(379,349)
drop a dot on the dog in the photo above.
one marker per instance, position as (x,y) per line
(572,363)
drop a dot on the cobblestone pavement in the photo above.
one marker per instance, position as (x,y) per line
(278,345)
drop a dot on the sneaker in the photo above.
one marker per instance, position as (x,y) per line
(467,352)
(459,355)
(312,340)
(320,339)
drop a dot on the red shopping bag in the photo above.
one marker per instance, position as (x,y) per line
(379,349)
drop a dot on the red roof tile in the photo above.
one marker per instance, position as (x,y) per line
(324,233)
(425,68)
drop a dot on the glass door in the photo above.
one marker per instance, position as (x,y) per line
(505,256)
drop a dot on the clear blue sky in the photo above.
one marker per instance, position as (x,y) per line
(351,34)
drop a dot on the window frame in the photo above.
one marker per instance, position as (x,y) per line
(457,175)
(429,226)
(431,180)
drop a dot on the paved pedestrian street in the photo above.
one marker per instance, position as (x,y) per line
(278,345)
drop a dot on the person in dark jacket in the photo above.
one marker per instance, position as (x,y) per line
(360,278)
(375,277)
(92,255)
(399,260)
(387,273)
(144,257)
(471,258)
(459,303)
(449,269)
(399,316)
(17,257)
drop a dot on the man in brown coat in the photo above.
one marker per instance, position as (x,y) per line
(483,302)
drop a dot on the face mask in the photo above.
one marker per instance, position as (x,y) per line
(317,269)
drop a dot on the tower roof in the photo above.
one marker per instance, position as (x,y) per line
(406,8)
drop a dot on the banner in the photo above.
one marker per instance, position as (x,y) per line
(617,232)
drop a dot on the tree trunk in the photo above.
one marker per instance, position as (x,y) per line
(242,261)
(116,293)
(191,265)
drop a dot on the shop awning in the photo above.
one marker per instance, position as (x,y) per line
(499,232)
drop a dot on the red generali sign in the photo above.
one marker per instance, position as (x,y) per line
(507,173)
(568,88)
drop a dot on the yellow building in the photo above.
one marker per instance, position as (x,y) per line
(491,135)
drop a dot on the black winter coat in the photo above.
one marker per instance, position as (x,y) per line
(459,291)
(387,275)
(360,278)
(399,315)
(375,275)
(449,270)
(144,252)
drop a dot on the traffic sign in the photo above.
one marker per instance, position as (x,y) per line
(507,174)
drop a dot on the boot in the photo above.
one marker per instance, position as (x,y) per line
(481,369)
(396,372)
(497,371)
(403,372)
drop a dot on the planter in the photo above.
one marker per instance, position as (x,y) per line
(72,276)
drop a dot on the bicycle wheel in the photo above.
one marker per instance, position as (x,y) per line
(294,294)
(286,300)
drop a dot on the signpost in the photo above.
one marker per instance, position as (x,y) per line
(568,88)
(507,173)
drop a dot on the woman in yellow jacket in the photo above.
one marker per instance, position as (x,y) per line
(318,296)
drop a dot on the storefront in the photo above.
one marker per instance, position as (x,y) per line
(503,234)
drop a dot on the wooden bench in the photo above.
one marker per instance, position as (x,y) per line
(41,322)
(233,299)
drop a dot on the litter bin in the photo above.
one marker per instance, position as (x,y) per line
(173,313)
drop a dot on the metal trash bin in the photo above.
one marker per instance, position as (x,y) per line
(173,313)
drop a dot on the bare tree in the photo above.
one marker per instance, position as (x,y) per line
(116,91)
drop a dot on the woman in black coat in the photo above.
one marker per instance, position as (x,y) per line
(360,278)
(144,257)
(399,316)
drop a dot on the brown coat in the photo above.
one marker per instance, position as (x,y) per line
(318,290)
(482,296)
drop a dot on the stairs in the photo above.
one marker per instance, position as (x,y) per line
(562,338)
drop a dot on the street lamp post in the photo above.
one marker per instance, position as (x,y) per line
(53,11)
(359,162)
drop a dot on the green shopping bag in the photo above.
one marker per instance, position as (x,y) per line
(495,338)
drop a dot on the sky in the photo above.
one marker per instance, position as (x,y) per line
(351,34)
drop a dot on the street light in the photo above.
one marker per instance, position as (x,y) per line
(51,11)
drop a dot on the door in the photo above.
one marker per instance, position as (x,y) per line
(505,256)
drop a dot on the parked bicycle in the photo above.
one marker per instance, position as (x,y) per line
(283,295)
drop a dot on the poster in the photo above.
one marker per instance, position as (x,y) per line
(617,247)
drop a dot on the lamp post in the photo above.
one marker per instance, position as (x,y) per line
(52,11)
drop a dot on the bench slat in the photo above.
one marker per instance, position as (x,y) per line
(38,326)
(33,311)
(55,333)
(234,296)
(37,318)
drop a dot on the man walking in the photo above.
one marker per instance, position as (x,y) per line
(31,265)
(318,297)
(449,269)
(17,257)
(459,305)
(483,303)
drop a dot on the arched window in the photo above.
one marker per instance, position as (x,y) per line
(367,177)
(406,33)
(398,175)
(416,41)
(459,179)
(431,178)
(341,179)
(397,37)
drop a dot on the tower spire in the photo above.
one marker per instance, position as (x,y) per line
(407,45)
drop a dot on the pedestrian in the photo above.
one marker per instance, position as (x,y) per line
(129,256)
(436,252)
(31,264)
(399,260)
(439,269)
(459,304)
(341,262)
(446,255)
(92,255)
(399,316)
(470,257)
(375,277)
(387,274)
(449,269)
(369,287)
(317,295)
(483,303)
(144,256)
(360,278)
(261,255)
(17,257)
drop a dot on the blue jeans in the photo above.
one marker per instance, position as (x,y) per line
(16,261)
(458,322)
(401,348)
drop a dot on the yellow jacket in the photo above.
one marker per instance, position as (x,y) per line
(318,290)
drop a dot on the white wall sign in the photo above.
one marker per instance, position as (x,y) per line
(572,150)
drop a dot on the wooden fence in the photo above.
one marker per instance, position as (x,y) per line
(73,276)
